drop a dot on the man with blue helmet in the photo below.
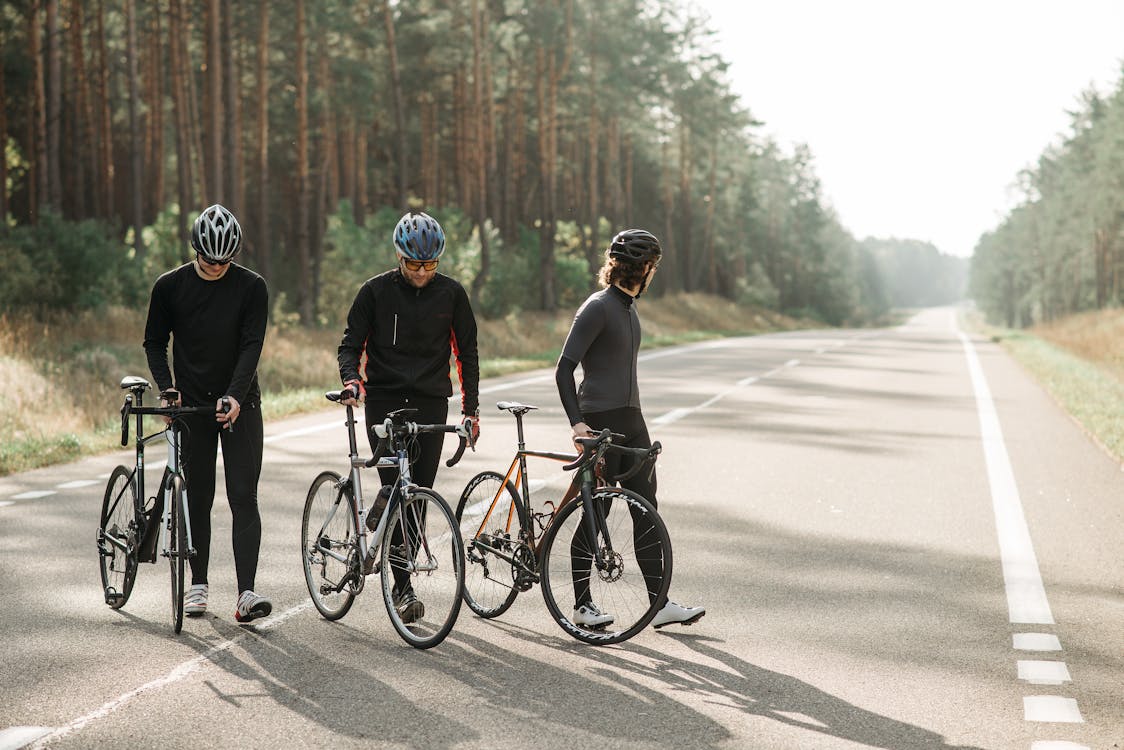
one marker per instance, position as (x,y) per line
(406,323)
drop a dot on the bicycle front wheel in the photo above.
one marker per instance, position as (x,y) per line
(177,547)
(330,545)
(118,538)
(488,514)
(422,566)
(628,585)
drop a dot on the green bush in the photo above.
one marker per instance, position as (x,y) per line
(64,265)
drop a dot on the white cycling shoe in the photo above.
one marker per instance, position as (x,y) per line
(677,614)
(195,601)
(251,606)
(589,616)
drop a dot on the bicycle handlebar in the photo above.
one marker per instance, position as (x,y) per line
(395,427)
(593,448)
(172,412)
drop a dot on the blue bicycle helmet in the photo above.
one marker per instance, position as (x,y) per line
(418,236)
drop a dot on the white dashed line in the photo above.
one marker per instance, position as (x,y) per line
(76,484)
(1057,745)
(32,495)
(1051,709)
(1037,642)
(1043,672)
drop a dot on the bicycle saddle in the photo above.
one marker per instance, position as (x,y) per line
(132,382)
(515,407)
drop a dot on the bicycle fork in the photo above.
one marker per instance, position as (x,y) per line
(594,522)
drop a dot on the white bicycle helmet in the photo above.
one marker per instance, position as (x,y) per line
(216,235)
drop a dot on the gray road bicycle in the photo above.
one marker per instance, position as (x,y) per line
(415,546)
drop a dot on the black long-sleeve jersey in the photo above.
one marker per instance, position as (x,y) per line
(217,329)
(408,335)
(604,339)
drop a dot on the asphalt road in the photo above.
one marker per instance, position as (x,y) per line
(900,540)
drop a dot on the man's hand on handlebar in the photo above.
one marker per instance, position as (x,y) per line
(170,397)
(354,393)
(227,410)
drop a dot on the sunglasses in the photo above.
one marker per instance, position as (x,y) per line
(418,265)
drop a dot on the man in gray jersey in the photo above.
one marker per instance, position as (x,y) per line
(605,339)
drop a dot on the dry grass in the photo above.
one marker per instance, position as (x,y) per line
(59,397)
(1096,336)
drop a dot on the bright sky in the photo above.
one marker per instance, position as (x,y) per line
(920,114)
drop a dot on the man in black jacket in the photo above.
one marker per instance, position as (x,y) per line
(407,323)
(215,312)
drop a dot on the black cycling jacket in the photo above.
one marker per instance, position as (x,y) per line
(408,335)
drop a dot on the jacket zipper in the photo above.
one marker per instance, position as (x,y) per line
(395,341)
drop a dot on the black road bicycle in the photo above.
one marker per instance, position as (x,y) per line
(132,530)
(599,543)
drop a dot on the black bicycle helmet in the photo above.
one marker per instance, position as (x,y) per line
(216,235)
(636,245)
(418,236)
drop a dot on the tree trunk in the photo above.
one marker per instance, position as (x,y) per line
(83,134)
(154,154)
(262,250)
(362,201)
(179,70)
(401,158)
(38,169)
(480,149)
(613,171)
(107,177)
(304,268)
(136,158)
(232,114)
(592,254)
(3,160)
(54,107)
(708,233)
(684,249)
(214,102)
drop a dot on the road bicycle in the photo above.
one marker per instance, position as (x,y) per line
(131,529)
(600,543)
(415,546)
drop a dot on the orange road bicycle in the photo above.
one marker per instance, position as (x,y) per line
(600,544)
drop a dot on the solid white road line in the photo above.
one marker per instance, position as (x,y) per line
(76,484)
(1026,596)
(13,738)
(33,494)
(178,673)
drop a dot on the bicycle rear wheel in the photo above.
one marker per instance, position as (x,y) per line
(422,567)
(488,514)
(330,545)
(177,547)
(118,537)
(632,584)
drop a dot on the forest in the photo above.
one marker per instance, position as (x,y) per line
(1060,250)
(532,129)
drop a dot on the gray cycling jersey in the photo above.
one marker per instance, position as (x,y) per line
(605,338)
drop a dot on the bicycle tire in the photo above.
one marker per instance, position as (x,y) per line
(177,548)
(323,573)
(422,552)
(489,580)
(118,538)
(636,532)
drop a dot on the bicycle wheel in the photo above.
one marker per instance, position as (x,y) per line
(634,581)
(488,514)
(118,537)
(330,545)
(177,547)
(422,566)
